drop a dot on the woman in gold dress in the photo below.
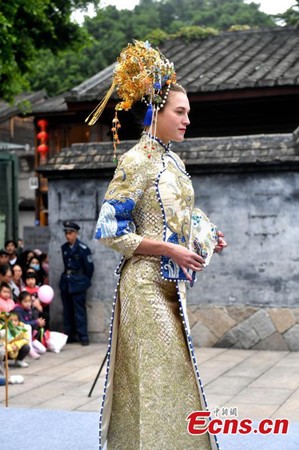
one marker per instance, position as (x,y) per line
(152,381)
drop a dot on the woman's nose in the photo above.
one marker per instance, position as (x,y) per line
(186,120)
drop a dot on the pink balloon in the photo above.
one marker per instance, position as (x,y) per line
(45,294)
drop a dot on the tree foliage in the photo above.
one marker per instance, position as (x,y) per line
(27,26)
(291,15)
(224,14)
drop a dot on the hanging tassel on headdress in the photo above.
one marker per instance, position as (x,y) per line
(96,113)
(115,127)
(148,116)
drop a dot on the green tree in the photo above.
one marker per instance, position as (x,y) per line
(223,14)
(291,15)
(56,74)
(27,26)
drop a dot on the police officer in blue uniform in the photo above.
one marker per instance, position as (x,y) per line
(74,282)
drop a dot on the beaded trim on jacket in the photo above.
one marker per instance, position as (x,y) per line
(154,138)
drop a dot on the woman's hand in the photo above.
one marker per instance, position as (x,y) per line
(179,254)
(221,243)
(186,259)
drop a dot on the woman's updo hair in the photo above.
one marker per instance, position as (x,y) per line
(139,109)
(173,88)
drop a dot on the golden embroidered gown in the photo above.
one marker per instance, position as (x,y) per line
(152,382)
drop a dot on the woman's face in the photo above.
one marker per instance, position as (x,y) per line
(173,119)
(7,277)
(34,262)
(17,272)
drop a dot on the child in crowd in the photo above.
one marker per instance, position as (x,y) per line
(18,345)
(27,315)
(6,302)
(14,379)
(32,289)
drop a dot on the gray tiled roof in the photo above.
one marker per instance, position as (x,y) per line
(232,60)
(52,104)
(8,110)
(94,87)
(202,152)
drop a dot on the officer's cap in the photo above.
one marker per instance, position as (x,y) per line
(70,226)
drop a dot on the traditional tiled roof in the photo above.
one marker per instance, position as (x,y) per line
(8,110)
(52,104)
(93,88)
(272,149)
(231,60)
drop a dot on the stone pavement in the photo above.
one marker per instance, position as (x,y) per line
(261,384)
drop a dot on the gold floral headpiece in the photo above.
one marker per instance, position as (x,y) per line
(140,74)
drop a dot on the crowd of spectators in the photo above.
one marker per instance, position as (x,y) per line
(22,273)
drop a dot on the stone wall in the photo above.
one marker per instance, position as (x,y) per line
(255,280)
(244,326)
(258,214)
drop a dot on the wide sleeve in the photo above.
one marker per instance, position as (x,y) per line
(115,227)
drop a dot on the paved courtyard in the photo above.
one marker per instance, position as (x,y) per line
(259,383)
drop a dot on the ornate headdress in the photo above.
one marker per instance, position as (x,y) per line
(140,74)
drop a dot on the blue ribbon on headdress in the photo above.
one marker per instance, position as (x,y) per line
(148,116)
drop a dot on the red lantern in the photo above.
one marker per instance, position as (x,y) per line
(43,136)
(42,123)
(42,149)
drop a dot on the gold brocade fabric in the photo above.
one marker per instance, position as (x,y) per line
(154,386)
(152,375)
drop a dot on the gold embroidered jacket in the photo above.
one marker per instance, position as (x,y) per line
(157,187)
